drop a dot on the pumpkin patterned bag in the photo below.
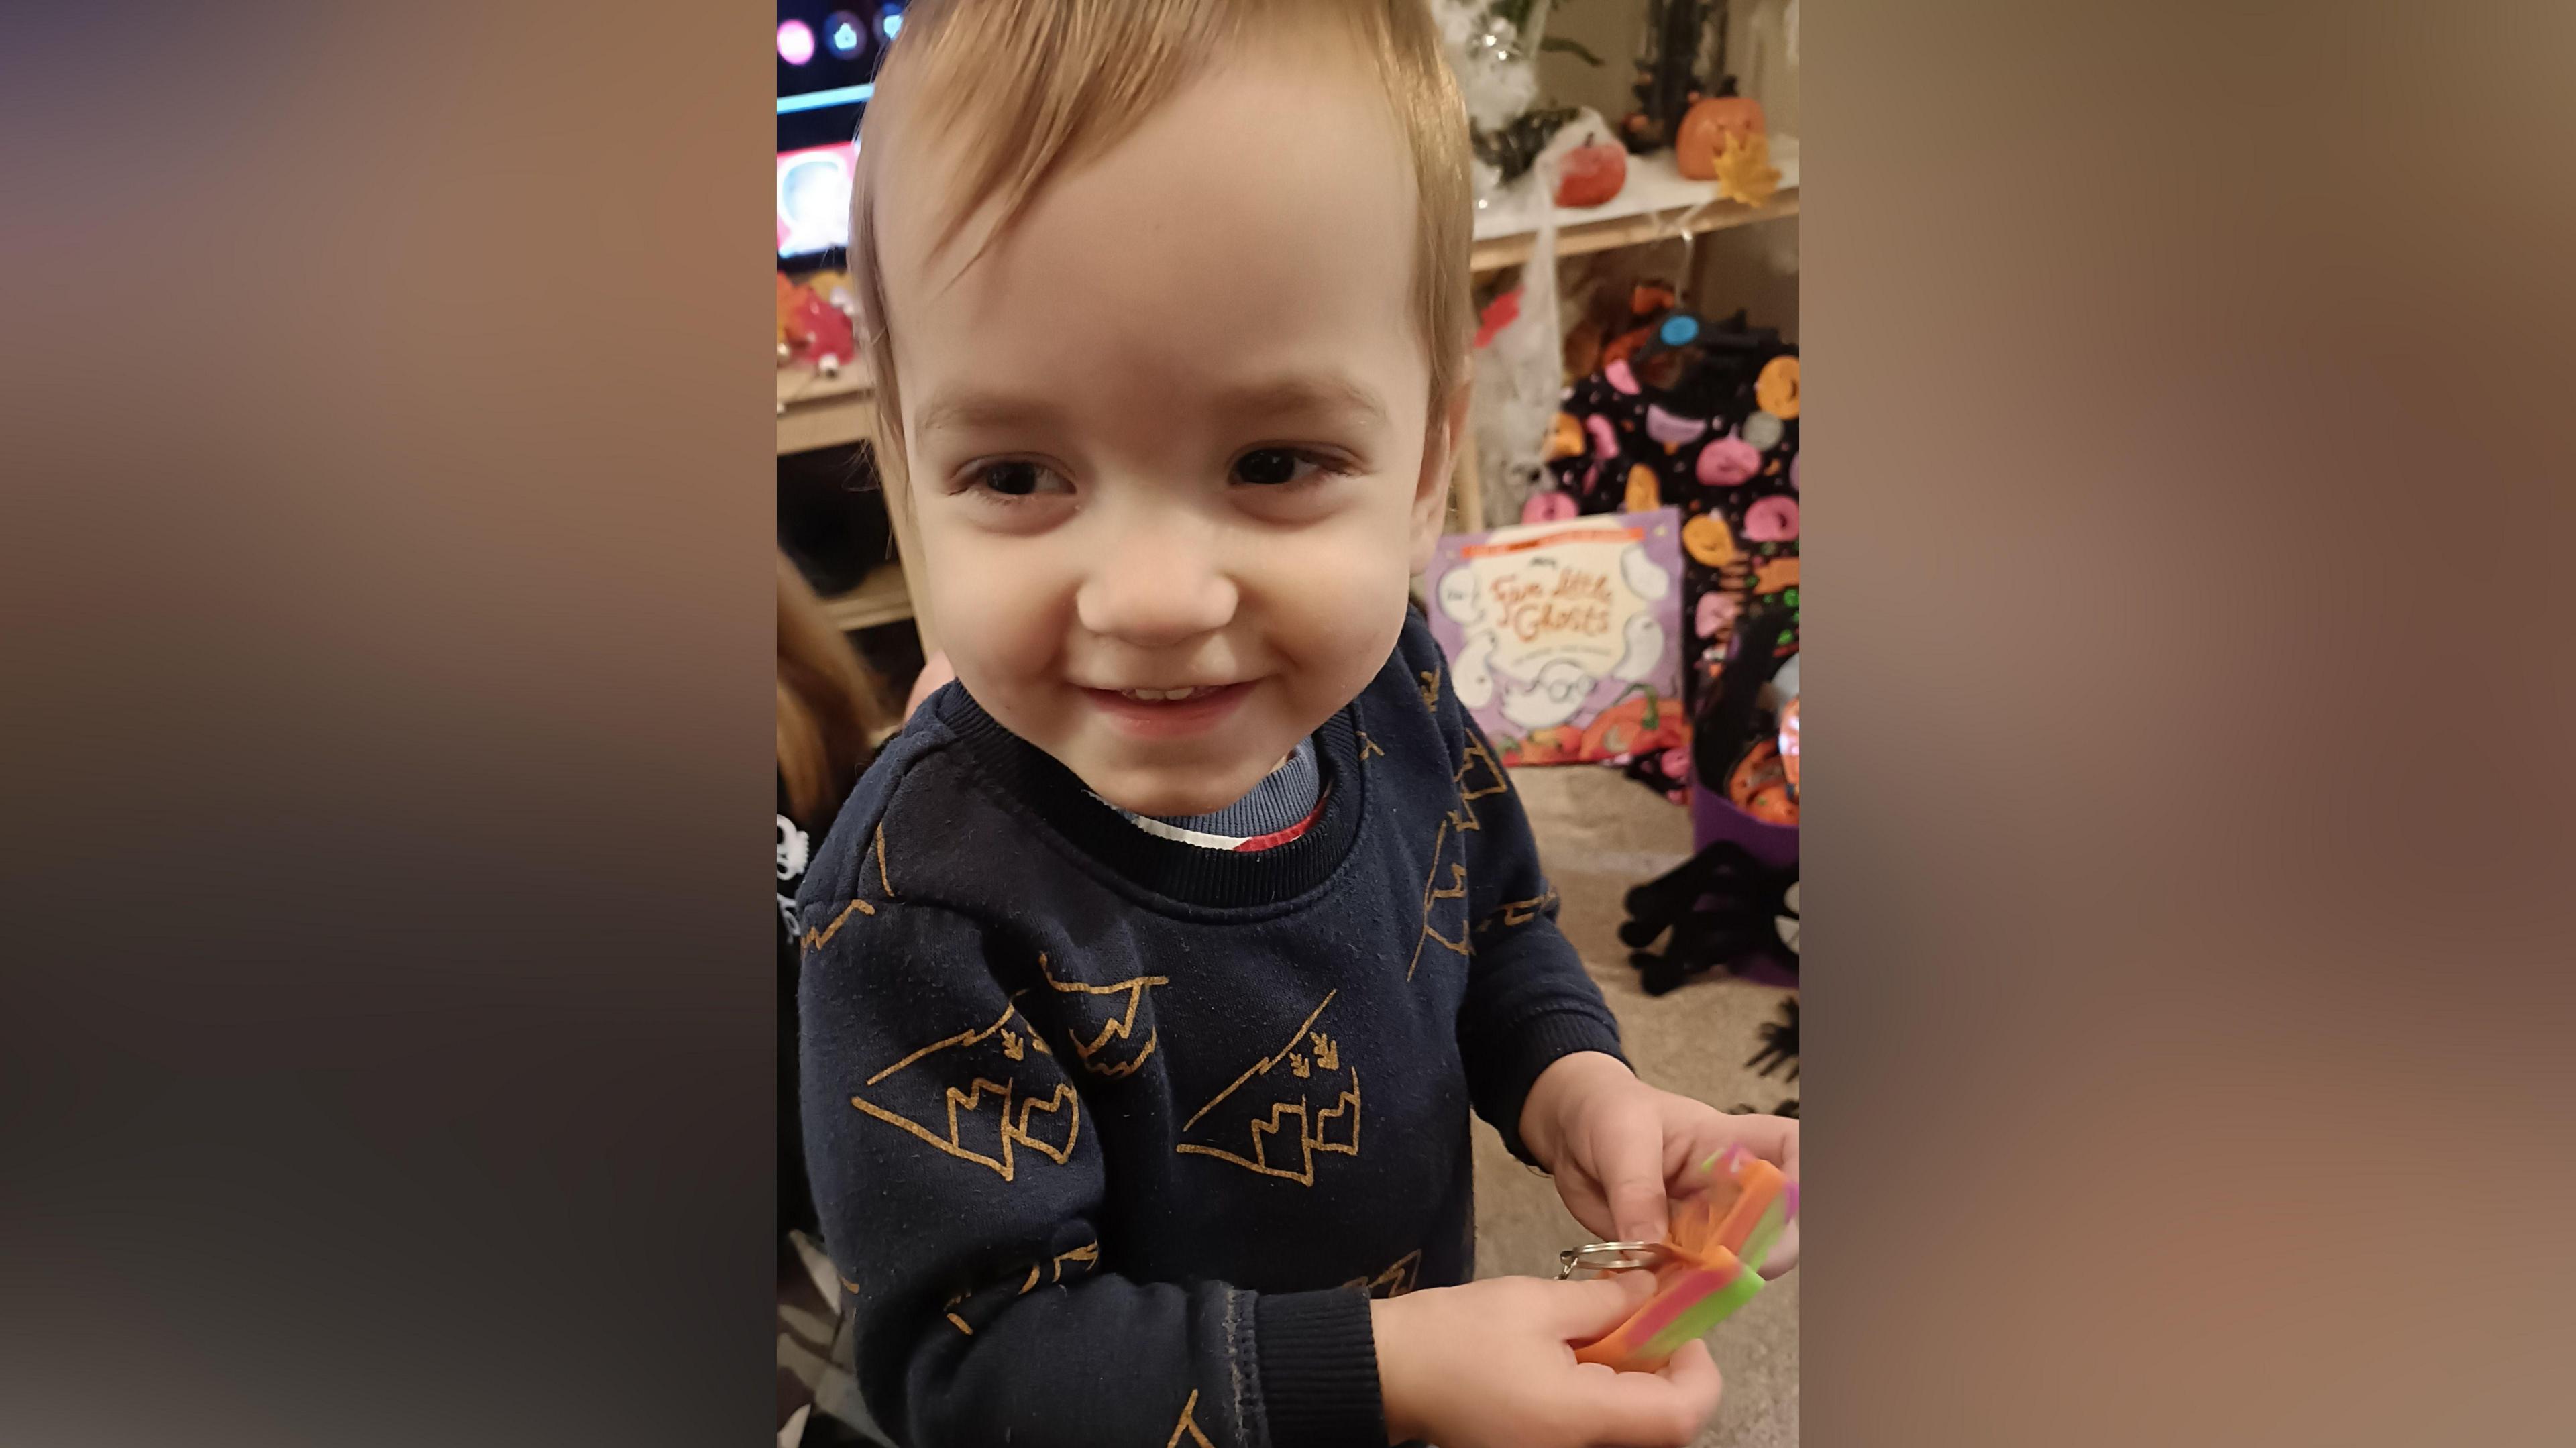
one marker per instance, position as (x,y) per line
(1703,418)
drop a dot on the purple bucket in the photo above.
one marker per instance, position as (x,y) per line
(1713,818)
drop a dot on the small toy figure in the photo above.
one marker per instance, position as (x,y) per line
(791,330)
(826,337)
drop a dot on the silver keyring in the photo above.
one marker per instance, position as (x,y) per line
(1609,1257)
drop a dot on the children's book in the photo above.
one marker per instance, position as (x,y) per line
(1565,638)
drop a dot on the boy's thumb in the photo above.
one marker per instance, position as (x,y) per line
(1590,1309)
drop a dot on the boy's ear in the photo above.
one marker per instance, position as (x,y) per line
(1439,456)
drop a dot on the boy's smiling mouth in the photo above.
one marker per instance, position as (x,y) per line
(1155,713)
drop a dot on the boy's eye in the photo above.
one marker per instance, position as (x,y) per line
(1019,478)
(1273,466)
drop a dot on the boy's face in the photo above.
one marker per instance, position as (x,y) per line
(1170,434)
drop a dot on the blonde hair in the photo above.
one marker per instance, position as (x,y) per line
(1032,88)
(829,707)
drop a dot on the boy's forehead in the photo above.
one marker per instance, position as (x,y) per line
(1267,210)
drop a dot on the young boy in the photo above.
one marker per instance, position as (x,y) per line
(1150,975)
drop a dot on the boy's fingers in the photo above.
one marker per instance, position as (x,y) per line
(1628,1159)
(1583,1311)
(1662,1409)
(1772,1138)
(1784,1253)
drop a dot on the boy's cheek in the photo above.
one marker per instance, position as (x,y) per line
(992,619)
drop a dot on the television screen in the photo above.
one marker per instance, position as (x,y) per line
(827,55)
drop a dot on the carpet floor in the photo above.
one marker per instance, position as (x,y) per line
(1599,834)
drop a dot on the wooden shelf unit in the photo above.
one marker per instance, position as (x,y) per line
(880,598)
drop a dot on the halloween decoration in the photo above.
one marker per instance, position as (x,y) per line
(1710,126)
(1512,149)
(1744,170)
(1644,496)
(1723,911)
(1592,174)
(1779,1043)
(1690,414)
(1776,388)
(1669,78)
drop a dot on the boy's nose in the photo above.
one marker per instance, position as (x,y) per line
(1156,587)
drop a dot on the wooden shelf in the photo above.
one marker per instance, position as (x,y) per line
(1631,230)
(881,598)
(1657,204)
(818,411)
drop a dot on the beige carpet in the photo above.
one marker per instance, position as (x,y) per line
(1599,834)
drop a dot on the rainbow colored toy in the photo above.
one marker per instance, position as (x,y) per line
(1704,1274)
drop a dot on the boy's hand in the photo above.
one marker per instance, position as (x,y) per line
(1491,1365)
(1620,1149)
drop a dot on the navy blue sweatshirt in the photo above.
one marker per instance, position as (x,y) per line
(1113,1136)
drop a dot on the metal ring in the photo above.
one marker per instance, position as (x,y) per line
(1608,1257)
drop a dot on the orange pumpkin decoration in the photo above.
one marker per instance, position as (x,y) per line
(1708,126)
(1564,438)
(1644,494)
(1708,539)
(1777,388)
(1591,175)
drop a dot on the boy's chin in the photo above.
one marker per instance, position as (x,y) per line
(1173,791)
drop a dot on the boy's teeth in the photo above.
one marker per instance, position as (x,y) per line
(1159,696)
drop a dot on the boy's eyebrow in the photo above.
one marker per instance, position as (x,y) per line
(981,409)
(1305,394)
(1322,394)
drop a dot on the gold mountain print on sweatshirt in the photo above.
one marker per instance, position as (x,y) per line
(1102,1020)
(1286,1109)
(988,1117)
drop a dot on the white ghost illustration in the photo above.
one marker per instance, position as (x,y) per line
(1556,695)
(792,849)
(1460,598)
(1645,649)
(1643,577)
(1471,674)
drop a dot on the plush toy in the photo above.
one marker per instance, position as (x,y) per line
(827,338)
(791,326)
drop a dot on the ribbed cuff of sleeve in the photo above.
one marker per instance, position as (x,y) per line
(1318,1357)
(1541,1043)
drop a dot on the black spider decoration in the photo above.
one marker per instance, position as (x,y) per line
(1779,1042)
(1723,908)
(1788,1108)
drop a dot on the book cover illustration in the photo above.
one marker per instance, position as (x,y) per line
(1564,638)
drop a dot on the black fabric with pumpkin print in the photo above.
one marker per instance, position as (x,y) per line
(1706,422)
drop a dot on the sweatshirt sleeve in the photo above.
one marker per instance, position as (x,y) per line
(959,1180)
(1529,1000)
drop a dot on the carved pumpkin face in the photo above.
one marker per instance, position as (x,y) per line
(1706,129)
